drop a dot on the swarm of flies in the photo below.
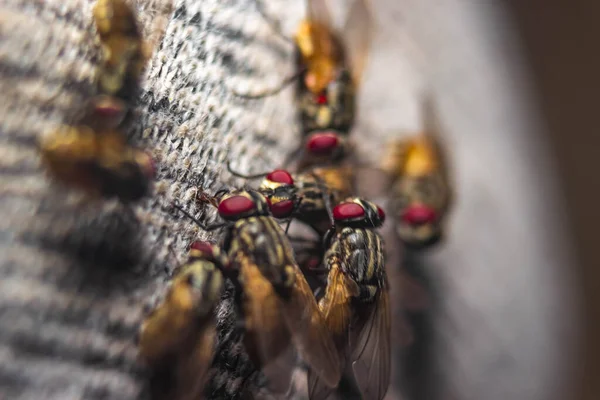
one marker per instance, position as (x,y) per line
(325,300)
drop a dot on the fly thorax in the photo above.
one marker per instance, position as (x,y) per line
(285,283)
(324,117)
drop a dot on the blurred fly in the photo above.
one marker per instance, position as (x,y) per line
(178,338)
(93,155)
(330,64)
(124,51)
(100,163)
(421,191)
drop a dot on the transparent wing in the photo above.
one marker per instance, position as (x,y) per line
(192,371)
(372,352)
(318,11)
(279,373)
(431,121)
(432,126)
(309,332)
(317,389)
(394,156)
(336,311)
(357,34)
(434,130)
(267,337)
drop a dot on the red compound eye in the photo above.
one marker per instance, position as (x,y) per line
(321,99)
(322,143)
(281,176)
(112,111)
(234,206)
(419,215)
(381,213)
(348,211)
(202,247)
(313,263)
(282,209)
(109,109)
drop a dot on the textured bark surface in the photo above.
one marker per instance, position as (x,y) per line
(76,274)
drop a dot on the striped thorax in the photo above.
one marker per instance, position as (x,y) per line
(356,300)
(356,248)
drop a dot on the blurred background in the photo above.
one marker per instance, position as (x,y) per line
(561,46)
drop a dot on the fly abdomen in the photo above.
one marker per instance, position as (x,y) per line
(368,293)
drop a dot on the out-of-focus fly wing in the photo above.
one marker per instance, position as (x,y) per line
(337,313)
(266,335)
(357,36)
(318,11)
(372,351)
(395,156)
(309,332)
(434,130)
(432,127)
(169,325)
(192,371)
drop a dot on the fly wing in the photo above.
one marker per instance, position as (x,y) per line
(395,156)
(167,327)
(318,11)
(434,130)
(372,351)
(193,369)
(279,373)
(309,332)
(267,336)
(336,311)
(357,34)
(432,126)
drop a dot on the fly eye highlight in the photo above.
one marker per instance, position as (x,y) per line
(348,211)
(204,248)
(419,215)
(323,143)
(281,176)
(109,107)
(282,209)
(321,99)
(381,214)
(235,206)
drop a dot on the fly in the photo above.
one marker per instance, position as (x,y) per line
(421,191)
(93,154)
(124,51)
(356,301)
(99,163)
(178,338)
(329,66)
(276,302)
